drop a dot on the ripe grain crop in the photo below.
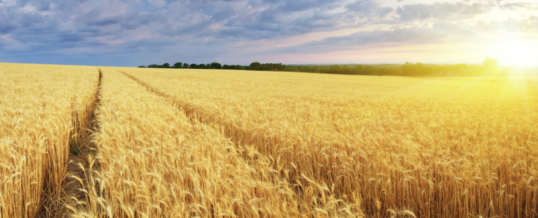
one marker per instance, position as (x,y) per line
(155,161)
(391,146)
(43,108)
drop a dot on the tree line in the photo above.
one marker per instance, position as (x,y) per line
(407,69)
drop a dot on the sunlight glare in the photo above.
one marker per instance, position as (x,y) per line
(518,54)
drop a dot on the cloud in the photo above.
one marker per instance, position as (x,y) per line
(158,3)
(211,28)
(518,5)
(397,36)
(443,11)
(6,28)
(438,33)
(368,9)
(531,24)
(55,24)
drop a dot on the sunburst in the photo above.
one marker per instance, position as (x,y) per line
(519,54)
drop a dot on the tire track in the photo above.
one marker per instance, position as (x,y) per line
(241,139)
(81,148)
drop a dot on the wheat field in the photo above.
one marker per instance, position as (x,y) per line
(43,108)
(224,143)
(439,147)
(156,162)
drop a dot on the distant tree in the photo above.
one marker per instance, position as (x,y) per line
(369,70)
(141,66)
(202,66)
(216,65)
(359,69)
(166,65)
(490,62)
(265,67)
(272,66)
(154,66)
(226,67)
(255,66)
(346,69)
(290,68)
(418,69)
(193,66)
(178,65)
(335,68)
(185,65)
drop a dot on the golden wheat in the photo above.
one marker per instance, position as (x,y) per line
(393,146)
(42,109)
(153,161)
(208,143)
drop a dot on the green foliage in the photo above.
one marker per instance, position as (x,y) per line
(234,67)
(165,65)
(255,66)
(216,65)
(418,69)
(407,69)
(76,150)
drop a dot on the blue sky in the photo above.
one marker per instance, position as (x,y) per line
(142,32)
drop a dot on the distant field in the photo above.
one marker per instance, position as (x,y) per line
(225,143)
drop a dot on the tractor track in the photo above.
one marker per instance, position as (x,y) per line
(78,166)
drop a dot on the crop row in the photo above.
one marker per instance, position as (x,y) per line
(43,109)
(429,147)
(153,161)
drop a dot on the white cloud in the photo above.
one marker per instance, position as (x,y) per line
(28,8)
(9,3)
(153,27)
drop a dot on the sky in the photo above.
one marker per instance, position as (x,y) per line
(143,32)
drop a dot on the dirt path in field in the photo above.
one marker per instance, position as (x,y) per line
(190,111)
(242,139)
(78,166)
(238,141)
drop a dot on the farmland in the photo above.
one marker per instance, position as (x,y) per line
(43,109)
(207,143)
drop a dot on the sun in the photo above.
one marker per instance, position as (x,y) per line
(518,54)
